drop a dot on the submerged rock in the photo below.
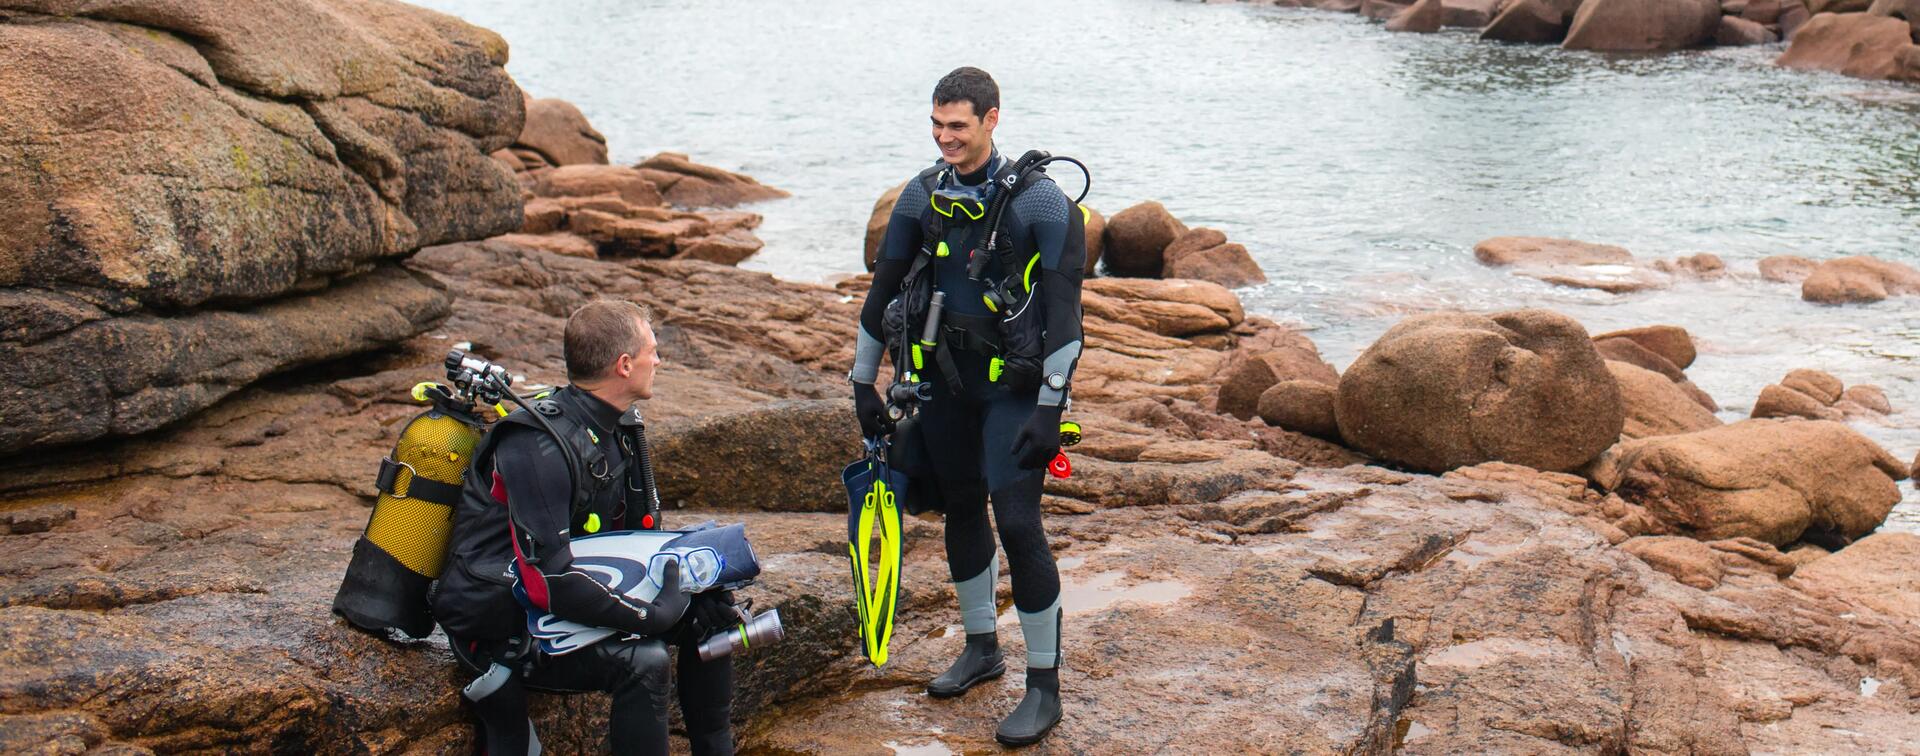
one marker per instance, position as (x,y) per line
(1858,280)
(1542,250)
(1441,391)
(1786,268)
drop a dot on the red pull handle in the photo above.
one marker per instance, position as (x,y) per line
(1060,467)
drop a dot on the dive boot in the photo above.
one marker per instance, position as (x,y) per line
(979,662)
(1037,713)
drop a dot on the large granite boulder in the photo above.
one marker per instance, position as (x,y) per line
(1642,25)
(1470,14)
(1137,237)
(1860,45)
(1529,21)
(1254,369)
(1446,390)
(1906,10)
(556,133)
(177,161)
(1228,265)
(1302,407)
(877,223)
(1772,480)
(1424,16)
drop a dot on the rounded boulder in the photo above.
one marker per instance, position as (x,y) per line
(1447,390)
(1136,239)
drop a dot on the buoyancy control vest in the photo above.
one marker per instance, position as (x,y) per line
(1012,335)
(428,514)
(475,598)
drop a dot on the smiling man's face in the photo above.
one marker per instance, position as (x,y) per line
(965,139)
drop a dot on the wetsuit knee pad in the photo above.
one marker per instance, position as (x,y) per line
(637,661)
(639,657)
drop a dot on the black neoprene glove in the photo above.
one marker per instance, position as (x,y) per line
(872,412)
(1039,440)
(714,611)
(666,609)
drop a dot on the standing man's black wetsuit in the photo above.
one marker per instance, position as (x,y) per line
(984,441)
(518,507)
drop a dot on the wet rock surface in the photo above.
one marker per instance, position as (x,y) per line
(216,545)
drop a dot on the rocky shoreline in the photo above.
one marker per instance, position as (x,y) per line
(1433,551)
(1868,39)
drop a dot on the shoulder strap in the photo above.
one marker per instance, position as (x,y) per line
(588,459)
(932,228)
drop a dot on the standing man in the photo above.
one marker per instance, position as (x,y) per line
(521,504)
(989,433)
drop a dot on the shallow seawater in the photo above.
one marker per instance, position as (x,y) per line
(1358,166)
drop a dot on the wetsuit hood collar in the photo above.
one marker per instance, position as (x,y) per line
(604,417)
(986,171)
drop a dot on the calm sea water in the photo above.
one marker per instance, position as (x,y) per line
(1360,167)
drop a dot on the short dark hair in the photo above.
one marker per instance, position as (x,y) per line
(599,332)
(970,84)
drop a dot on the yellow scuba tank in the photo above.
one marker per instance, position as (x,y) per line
(405,544)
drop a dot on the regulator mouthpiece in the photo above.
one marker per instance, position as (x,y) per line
(759,631)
